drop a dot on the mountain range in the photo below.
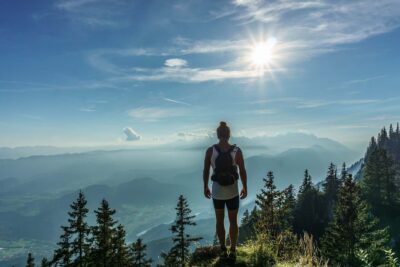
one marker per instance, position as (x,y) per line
(143,184)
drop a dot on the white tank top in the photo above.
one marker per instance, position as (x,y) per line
(224,192)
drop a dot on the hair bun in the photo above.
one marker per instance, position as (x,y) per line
(222,123)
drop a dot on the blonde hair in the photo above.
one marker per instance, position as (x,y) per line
(223,131)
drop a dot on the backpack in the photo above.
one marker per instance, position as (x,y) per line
(225,172)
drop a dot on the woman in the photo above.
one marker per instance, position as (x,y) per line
(225,189)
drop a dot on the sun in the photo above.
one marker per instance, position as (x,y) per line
(262,53)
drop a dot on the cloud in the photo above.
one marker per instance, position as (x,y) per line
(131,135)
(365,80)
(94,13)
(198,134)
(31,117)
(184,46)
(175,62)
(152,114)
(303,29)
(176,101)
(324,23)
(88,109)
(190,75)
(352,126)
(305,104)
(73,5)
(262,112)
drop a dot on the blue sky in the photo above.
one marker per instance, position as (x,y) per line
(102,72)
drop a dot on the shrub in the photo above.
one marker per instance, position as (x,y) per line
(309,254)
(262,254)
(286,246)
(205,254)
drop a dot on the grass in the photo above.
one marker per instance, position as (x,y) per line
(260,254)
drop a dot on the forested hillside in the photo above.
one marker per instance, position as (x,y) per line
(343,222)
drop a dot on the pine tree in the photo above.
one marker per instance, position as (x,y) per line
(289,205)
(352,230)
(266,201)
(103,233)
(62,255)
(179,253)
(121,253)
(246,217)
(248,226)
(138,251)
(331,187)
(343,174)
(79,229)
(309,211)
(30,262)
(379,184)
(383,138)
(44,263)
(307,184)
(331,183)
(391,132)
(373,145)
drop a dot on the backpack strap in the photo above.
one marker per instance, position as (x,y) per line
(233,147)
(217,148)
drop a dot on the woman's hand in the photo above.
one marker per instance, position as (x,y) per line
(207,192)
(243,193)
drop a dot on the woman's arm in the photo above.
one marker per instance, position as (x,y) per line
(242,172)
(206,172)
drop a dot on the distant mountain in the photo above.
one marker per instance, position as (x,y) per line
(71,171)
(27,151)
(66,172)
(41,219)
(287,166)
(272,144)
(355,168)
(266,144)
(36,191)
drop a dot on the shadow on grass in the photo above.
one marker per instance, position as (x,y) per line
(229,263)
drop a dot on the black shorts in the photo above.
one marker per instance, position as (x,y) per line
(231,204)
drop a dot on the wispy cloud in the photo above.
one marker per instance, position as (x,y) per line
(365,80)
(384,118)
(88,109)
(73,5)
(27,86)
(176,68)
(31,117)
(175,62)
(190,75)
(203,133)
(304,104)
(152,114)
(303,29)
(176,101)
(277,100)
(324,22)
(261,111)
(352,126)
(94,13)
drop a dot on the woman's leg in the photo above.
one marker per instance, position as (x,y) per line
(233,228)
(219,215)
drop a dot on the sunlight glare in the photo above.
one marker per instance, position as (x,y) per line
(262,53)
